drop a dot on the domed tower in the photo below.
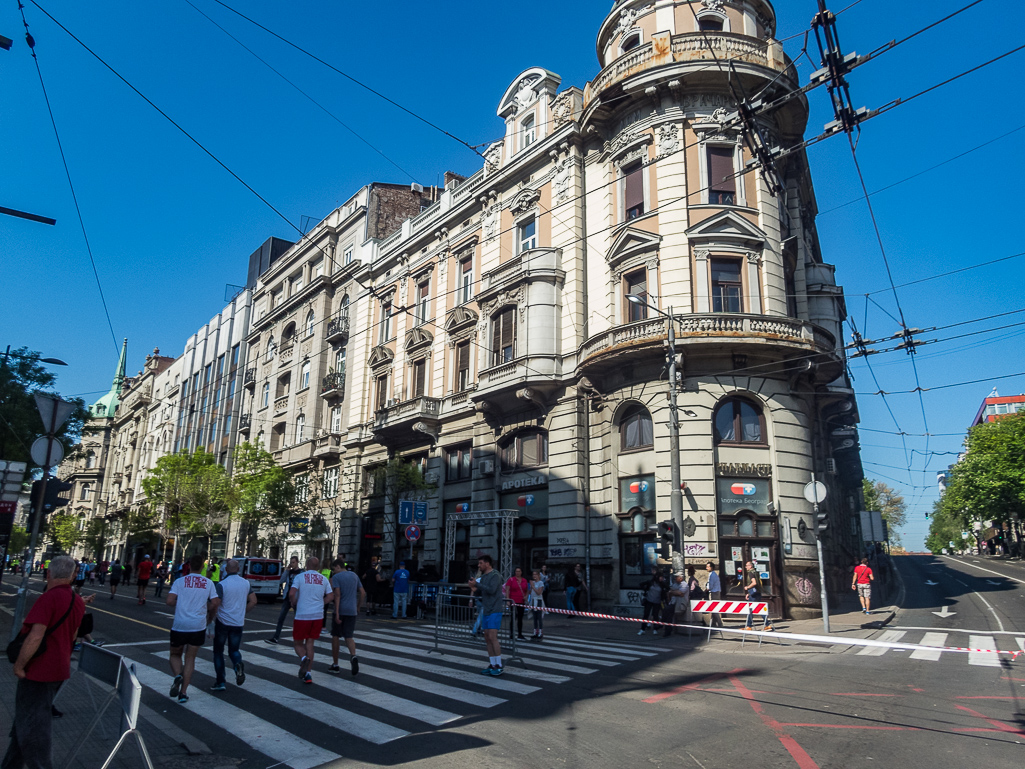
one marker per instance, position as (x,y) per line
(681,220)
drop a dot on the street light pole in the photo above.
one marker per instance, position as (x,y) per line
(676,492)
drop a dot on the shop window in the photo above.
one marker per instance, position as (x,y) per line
(638,550)
(635,430)
(524,450)
(737,420)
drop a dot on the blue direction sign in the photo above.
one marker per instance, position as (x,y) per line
(412,512)
(412,533)
(420,512)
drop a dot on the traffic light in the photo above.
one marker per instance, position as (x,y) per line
(821,521)
(53,500)
(668,536)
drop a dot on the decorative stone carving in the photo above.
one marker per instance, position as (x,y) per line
(380,356)
(489,222)
(300,401)
(493,158)
(560,185)
(525,92)
(720,116)
(304,349)
(668,139)
(627,18)
(525,200)
(713,5)
(753,257)
(562,109)
(460,319)
(625,139)
(418,338)
(701,255)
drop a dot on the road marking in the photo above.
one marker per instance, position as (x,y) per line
(364,694)
(989,606)
(930,639)
(997,573)
(415,682)
(956,630)
(1021,643)
(890,636)
(983,659)
(351,723)
(260,735)
(579,652)
(130,619)
(136,643)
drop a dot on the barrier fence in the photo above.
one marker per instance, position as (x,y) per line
(457,620)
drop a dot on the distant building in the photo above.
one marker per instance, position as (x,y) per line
(995,406)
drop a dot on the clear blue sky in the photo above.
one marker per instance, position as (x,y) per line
(169,228)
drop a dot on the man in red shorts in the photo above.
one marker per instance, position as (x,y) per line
(310,591)
(145,571)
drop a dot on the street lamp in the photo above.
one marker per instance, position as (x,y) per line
(51,361)
(676,492)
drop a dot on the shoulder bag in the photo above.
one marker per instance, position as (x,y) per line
(14,647)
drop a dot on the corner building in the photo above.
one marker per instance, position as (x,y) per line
(495,346)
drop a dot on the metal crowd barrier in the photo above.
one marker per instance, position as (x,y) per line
(458,619)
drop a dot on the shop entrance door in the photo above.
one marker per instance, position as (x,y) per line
(735,553)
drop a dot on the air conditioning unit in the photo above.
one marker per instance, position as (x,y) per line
(416,187)
(830,465)
(487,466)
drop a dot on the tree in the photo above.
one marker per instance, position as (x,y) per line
(64,530)
(884,500)
(21,375)
(262,493)
(94,538)
(399,480)
(945,526)
(18,541)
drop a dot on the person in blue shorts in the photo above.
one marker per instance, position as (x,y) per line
(487,588)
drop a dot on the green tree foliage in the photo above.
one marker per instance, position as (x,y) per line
(987,484)
(262,492)
(63,530)
(945,526)
(883,499)
(19,540)
(21,375)
(95,536)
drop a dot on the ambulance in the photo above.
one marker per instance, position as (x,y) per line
(264,574)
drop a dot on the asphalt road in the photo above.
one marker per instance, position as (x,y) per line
(594,694)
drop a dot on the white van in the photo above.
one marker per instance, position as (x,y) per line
(264,574)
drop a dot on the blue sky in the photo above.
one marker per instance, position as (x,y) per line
(169,228)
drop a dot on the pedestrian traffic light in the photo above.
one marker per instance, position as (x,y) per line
(821,521)
(667,535)
(54,489)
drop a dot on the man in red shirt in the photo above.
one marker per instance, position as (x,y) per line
(145,571)
(862,582)
(55,618)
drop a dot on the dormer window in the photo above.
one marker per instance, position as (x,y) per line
(710,23)
(528,132)
(632,41)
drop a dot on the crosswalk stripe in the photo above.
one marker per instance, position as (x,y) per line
(578,652)
(339,718)
(534,656)
(260,735)
(1021,643)
(464,661)
(575,643)
(983,659)
(466,696)
(490,682)
(890,636)
(364,694)
(930,639)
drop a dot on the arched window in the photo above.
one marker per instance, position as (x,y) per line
(300,428)
(90,460)
(635,429)
(526,449)
(310,318)
(289,335)
(739,421)
(304,375)
(344,307)
(271,347)
(265,398)
(630,42)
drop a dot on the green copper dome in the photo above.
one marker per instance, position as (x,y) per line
(106,406)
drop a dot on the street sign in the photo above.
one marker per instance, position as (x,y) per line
(11,475)
(412,512)
(412,533)
(815,491)
(53,411)
(420,512)
(8,507)
(44,444)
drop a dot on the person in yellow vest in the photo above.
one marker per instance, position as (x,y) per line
(46,568)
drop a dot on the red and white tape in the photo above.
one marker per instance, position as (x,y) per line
(778,634)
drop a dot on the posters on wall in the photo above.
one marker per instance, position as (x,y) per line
(637,492)
(735,494)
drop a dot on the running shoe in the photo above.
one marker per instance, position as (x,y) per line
(497,671)
(77,647)
(354,664)
(218,688)
(176,686)
(334,669)
(307,679)
(271,640)
(183,699)
(487,671)
(304,667)
(240,674)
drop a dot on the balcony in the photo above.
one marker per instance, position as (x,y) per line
(245,421)
(696,47)
(280,405)
(396,421)
(249,378)
(326,446)
(718,332)
(333,386)
(543,261)
(338,329)
(285,354)
(505,385)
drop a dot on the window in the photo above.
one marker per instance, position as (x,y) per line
(790,284)
(630,42)
(381,386)
(206,373)
(739,421)
(710,24)
(636,284)
(302,487)
(260,438)
(331,483)
(231,394)
(90,460)
(526,235)
(385,333)
(462,366)
(347,258)
(635,430)
(423,302)
(340,360)
(234,356)
(227,424)
(336,419)
(528,132)
(271,347)
(419,381)
(526,449)
(310,323)
(295,286)
(633,190)
(722,186)
(466,280)
(284,386)
(316,269)
(726,285)
(86,491)
(503,336)
(265,396)
(300,428)
(220,367)
(459,463)
(304,375)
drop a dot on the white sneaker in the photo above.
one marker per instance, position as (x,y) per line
(640,632)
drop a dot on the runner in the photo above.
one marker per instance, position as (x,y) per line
(144,572)
(309,592)
(348,596)
(116,570)
(237,597)
(195,602)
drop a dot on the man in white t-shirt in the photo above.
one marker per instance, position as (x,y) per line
(237,597)
(310,592)
(195,601)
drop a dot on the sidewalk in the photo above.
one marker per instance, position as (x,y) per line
(80,698)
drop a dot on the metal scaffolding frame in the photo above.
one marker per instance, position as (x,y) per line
(505,517)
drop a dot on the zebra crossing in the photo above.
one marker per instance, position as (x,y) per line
(989,659)
(405,686)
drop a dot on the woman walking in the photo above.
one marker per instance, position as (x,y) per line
(536,601)
(516,592)
(161,573)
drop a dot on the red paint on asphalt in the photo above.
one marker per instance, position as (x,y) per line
(998,725)
(690,687)
(852,726)
(804,761)
(860,694)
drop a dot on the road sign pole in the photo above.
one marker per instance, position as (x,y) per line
(822,567)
